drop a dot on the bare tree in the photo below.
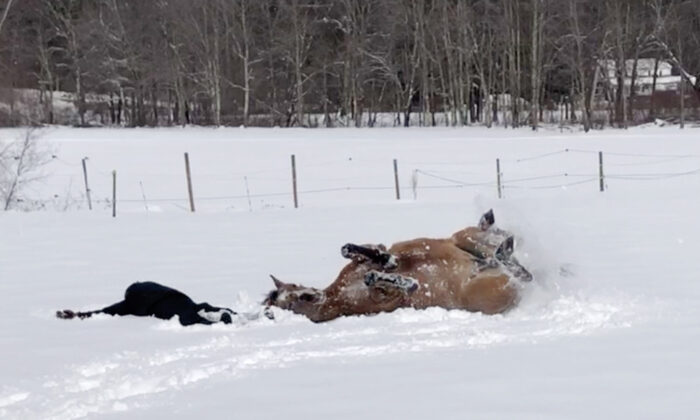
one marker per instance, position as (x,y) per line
(130,62)
(5,12)
(536,60)
(65,18)
(237,16)
(21,162)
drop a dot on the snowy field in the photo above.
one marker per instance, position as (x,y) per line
(610,328)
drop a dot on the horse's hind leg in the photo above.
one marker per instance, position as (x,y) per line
(490,292)
(485,244)
(516,269)
(487,220)
(474,241)
(504,255)
(505,249)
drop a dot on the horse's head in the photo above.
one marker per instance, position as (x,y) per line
(298,299)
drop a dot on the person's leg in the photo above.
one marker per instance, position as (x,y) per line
(191,317)
(215,314)
(171,305)
(209,308)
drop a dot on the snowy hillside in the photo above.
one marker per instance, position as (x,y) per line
(610,328)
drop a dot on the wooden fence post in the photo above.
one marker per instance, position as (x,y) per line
(87,188)
(601,176)
(294,181)
(414,184)
(498,177)
(396,179)
(143,195)
(247,194)
(189,181)
(114,193)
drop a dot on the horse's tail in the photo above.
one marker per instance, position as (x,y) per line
(68,314)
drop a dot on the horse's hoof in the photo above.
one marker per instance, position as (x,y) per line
(371,278)
(391,263)
(487,220)
(505,249)
(526,276)
(345,251)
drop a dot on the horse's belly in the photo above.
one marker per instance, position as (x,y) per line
(436,292)
(491,292)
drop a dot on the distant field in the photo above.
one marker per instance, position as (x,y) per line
(609,328)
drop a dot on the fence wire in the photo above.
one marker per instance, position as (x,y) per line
(281,175)
(454,181)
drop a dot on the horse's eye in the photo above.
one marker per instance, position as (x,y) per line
(307,297)
(272,297)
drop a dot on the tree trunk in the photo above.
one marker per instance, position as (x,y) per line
(652,110)
(633,86)
(154,105)
(246,66)
(534,71)
(299,36)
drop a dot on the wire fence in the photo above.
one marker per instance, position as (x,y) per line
(326,178)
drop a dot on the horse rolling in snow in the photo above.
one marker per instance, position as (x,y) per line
(472,270)
(153,299)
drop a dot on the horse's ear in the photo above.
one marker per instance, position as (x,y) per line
(278,283)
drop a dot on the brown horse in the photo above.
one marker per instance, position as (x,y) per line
(472,270)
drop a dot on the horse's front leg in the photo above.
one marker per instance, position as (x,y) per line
(375,254)
(404,284)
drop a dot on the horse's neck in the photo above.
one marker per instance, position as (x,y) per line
(348,288)
(328,308)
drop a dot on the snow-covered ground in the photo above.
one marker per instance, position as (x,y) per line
(609,329)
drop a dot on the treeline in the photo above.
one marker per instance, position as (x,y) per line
(337,62)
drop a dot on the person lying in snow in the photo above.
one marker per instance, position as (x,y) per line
(153,299)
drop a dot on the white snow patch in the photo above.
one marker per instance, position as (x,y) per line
(614,302)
